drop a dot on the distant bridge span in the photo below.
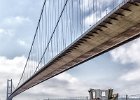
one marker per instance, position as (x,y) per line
(118,27)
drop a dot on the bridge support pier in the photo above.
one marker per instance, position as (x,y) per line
(9,88)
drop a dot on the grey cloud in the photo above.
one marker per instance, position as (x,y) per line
(56,83)
(28,9)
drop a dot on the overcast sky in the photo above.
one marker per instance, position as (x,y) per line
(118,69)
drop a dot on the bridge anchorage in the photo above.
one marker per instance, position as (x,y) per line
(63,40)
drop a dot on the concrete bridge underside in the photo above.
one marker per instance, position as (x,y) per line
(118,27)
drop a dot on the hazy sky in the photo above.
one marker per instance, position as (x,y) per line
(118,69)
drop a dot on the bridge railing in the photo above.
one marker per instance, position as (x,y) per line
(61,22)
(69,98)
(124,97)
(129,97)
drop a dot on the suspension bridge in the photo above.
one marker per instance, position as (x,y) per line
(70,32)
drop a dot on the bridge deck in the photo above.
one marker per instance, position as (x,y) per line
(117,28)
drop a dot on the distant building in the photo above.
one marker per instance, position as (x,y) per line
(98,94)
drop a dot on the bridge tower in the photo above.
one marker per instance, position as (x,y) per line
(9,88)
